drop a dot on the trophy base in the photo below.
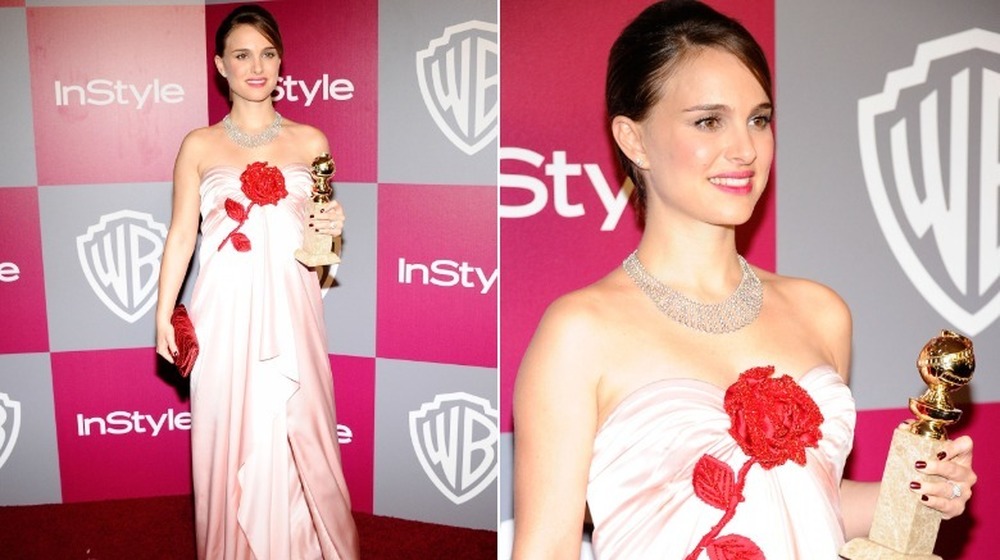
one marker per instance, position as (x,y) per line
(316,259)
(902,527)
(864,549)
(317,250)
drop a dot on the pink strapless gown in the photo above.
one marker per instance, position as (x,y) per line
(268,482)
(640,494)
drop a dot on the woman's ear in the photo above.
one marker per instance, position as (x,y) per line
(219,66)
(628,136)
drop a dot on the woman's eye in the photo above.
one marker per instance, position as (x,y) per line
(708,123)
(761,121)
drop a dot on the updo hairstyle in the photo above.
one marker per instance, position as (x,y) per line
(254,16)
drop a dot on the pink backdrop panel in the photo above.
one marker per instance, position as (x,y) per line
(437,274)
(103,111)
(562,226)
(23,324)
(956,538)
(329,76)
(354,389)
(121,434)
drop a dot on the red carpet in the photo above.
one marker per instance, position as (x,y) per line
(163,529)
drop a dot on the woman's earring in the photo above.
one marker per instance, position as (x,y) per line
(638,163)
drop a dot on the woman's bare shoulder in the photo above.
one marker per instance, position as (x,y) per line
(569,350)
(819,309)
(199,146)
(202,136)
(803,293)
(590,308)
(311,139)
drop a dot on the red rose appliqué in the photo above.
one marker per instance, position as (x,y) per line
(773,420)
(262,184)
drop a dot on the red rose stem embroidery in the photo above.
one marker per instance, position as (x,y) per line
(772,420)
(262,184)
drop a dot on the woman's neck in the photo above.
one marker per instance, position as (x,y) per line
(699,261)
(252,117)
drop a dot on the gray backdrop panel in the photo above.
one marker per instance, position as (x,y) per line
(30,475)
(411,147)
(17,132)
(349,306)
(402,488)
(830,55)
(78,319)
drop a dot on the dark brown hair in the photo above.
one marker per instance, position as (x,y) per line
(254,16)
(649,50)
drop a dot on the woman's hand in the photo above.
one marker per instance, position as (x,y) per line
(166,346)
(952,478)
(327,219)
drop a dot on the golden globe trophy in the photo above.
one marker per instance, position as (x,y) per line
(904,528)
(318,248)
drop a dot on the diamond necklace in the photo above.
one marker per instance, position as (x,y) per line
(245,140)
(738,310)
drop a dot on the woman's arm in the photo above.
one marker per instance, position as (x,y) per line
(555,414)
(180,243)
(857,503)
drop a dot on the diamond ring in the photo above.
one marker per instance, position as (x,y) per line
(956,490)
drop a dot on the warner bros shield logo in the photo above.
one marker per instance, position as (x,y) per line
(458,74)
(120,256)
(10,425)
(455,439)
(930,150)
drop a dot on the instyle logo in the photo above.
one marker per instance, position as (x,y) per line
(120,256)
(121,422)
(446,273)
(455,438)
(458,75)
(564,183)
(10,426)
(321,89)
(102,92)
(9,272)
(930,149)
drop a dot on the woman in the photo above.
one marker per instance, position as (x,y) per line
(267,474)
(630,400)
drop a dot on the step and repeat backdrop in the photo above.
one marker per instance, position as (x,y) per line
(886,187)
(99,96)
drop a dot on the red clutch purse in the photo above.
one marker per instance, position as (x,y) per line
(184,337)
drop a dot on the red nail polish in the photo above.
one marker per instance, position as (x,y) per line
(924,498)
(941,455)
(310,225)
(915,485)
(920,464)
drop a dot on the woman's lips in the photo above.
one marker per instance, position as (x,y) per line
(735,183)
